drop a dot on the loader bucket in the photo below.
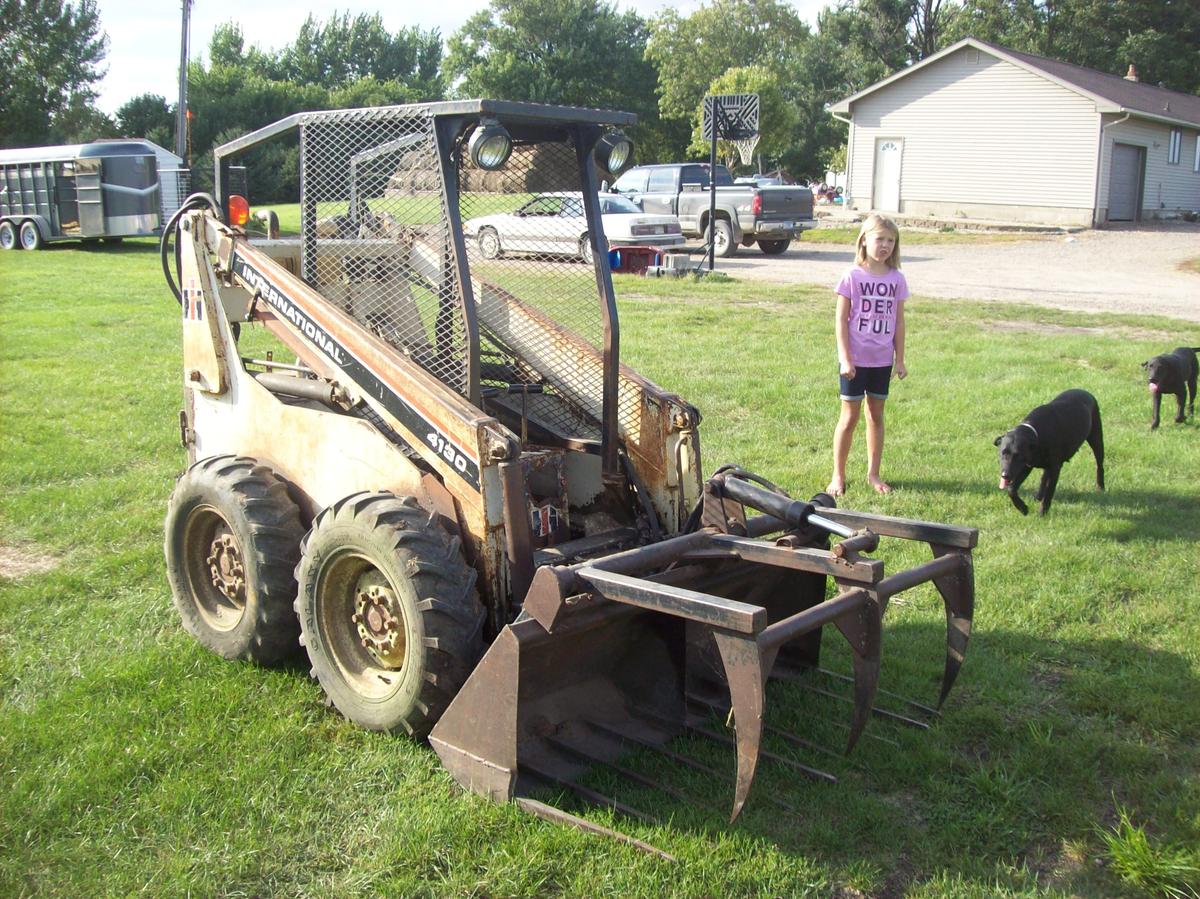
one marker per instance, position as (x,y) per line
(621,667)
(629,651)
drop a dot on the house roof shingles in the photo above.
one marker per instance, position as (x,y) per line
(1135,97)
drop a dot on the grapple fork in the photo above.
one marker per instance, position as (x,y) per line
(607,653)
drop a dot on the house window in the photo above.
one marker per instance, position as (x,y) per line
(1174,146)
(1196,161)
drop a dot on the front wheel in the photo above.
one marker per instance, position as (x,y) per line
(773,247)
(388,612)
(232,543)
(724,245)
(31,237)
(8,236)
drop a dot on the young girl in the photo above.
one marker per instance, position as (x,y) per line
(870,343)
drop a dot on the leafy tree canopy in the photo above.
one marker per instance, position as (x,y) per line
(50,54)
(1161,38)
(575,52)
(693,51)
(148,116)
(345,50)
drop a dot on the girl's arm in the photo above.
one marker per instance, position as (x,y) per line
(842,329)
(900,368)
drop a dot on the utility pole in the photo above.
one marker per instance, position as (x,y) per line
(181,119)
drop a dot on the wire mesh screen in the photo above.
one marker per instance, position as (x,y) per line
(375,235)
(531,259)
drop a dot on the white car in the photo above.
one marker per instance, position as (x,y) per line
(555,223)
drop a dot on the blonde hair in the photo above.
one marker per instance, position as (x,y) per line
(876,222)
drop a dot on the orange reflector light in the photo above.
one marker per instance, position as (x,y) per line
(239,210)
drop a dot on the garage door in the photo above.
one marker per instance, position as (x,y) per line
(1125,182)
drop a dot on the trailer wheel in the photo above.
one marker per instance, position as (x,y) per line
(8,236)
(489,243)
(773,247)
(388,612)
(31,237)
(232,543)
(725,244)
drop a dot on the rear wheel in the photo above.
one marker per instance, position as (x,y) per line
(388,612)
(489,243)
(8,236)
(725,245)
(232,543)
(585,249)
(31,237)
(773,247)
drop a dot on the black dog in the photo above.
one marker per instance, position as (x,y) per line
(1046,438)
(1173,372)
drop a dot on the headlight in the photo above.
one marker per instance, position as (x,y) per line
(490,145)
(614,152)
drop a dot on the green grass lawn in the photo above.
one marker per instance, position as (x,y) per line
(133,762)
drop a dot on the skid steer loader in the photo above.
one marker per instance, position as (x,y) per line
(480,525)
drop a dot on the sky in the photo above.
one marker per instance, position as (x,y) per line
(144,37)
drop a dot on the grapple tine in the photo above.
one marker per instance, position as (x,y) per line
(744,674)
(790,737)
(625,772)
(958,593)
(593,796)
(558,816)
(808,771)
(919,706)
(861,627)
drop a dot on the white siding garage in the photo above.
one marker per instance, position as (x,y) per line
(980,132)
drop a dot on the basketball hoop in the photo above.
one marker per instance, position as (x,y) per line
(745,147)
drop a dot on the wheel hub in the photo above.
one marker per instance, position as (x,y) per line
(379,630)
(225,566)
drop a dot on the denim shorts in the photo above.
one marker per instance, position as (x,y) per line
(869,381)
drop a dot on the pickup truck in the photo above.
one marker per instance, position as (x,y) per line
(772,217)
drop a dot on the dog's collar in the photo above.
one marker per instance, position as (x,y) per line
(1026,424)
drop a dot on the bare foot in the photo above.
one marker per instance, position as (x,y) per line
(837,487)
(880,485)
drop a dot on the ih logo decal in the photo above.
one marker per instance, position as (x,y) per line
(193,302)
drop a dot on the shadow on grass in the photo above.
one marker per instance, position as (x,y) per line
(1146,514)
(127,247)
(1036,739)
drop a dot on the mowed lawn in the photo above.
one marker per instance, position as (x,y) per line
(133,762)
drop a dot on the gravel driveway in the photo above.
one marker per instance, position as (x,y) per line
(1121,270)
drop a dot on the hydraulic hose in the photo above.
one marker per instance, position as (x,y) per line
(194,201)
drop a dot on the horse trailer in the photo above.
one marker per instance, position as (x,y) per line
(105,189)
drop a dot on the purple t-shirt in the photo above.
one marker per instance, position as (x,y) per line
(874,301)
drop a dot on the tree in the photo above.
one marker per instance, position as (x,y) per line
(346,50)
(776,116)
(50,54)
(693,51)
(1162,39)
(572,52)
(147,116)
